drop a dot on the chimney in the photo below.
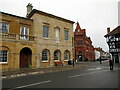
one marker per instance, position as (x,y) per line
(29,8)
(108,30)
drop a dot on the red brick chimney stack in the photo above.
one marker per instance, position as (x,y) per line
(108,30)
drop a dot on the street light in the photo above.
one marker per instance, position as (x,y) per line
(73,51)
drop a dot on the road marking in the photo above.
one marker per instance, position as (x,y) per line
(81,75)
(32,73)
(31,85)
(94,69)
(89,73)
(22,74)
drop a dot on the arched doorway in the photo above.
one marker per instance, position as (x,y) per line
(25,58)
(79,56)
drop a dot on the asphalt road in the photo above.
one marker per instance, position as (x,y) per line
(96,75)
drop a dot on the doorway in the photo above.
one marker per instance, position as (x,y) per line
(25,58)
(79,58)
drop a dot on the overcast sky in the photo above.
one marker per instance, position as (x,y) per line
(93,15)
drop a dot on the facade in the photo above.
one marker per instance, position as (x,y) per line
(84,49)
(113,41)
(54,38)
(39,40)
(17,42)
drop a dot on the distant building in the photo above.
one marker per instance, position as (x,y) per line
(83,47)
(113,41)
(99,52)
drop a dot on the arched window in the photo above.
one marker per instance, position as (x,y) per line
(57,55)
(79,52)
(66,55)
(45,55)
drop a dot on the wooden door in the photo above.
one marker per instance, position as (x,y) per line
(25,57)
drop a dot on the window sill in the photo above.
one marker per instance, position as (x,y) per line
(56,60)
(67,41)
(3,63)
(46,38)
(66,60)
(45,61)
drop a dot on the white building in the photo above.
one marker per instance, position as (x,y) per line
(97,54)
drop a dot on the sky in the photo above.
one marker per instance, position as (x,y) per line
(93,15)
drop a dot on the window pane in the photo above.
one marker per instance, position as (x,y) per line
(45,55)
(57,33)
(66,34)
(3,55)
(24,32)
(3,27)
(0,26)
(56,55)
(81,42)
(45,31)
(66,55)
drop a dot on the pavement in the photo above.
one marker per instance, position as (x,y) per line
(32,71)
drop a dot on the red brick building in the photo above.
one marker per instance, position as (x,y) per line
(83,48)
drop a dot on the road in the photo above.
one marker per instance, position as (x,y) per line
(96,75)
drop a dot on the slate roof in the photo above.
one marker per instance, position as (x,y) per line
(1,13)
(49,15)
(113,32)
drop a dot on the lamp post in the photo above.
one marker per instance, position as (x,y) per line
(73,51)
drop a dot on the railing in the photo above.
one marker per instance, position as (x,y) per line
(27,37)
(17,37)
(7,36)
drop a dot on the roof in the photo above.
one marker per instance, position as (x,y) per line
(47,14)
(78,26)
(15,16)
(113,32)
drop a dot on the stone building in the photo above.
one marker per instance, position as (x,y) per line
(17,42)
(54,37)
(83,47)
(38,40)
